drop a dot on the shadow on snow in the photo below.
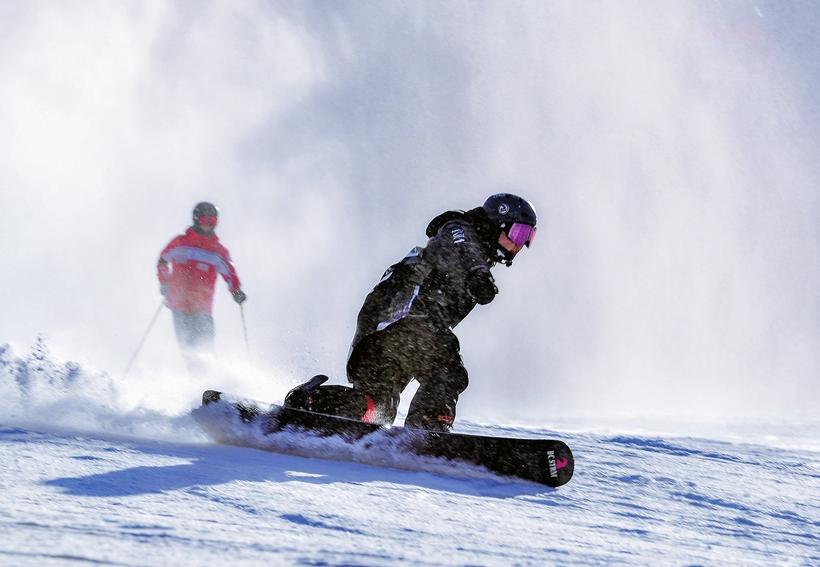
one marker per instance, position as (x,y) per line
(216,465)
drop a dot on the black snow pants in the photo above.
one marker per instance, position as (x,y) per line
(383,363)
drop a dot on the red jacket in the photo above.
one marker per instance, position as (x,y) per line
(190,264)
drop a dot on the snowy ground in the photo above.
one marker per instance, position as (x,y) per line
(113,487)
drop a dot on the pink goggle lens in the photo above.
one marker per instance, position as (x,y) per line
(521,234)
(207,221)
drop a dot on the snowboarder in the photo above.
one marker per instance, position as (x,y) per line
(187,270)
(404,328)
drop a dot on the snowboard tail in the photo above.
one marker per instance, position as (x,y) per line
(545,461)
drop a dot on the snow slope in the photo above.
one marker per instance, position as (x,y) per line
(100,484)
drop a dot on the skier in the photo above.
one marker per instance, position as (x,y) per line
(187,271)
(404,328)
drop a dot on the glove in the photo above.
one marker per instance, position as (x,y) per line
(163,290)
(239,296)
(481,285)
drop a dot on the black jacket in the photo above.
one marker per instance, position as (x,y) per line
(440,283)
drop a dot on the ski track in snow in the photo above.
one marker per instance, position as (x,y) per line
(105,486)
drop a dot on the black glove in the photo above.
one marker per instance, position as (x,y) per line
(481,285)
(163,290)
(239,296)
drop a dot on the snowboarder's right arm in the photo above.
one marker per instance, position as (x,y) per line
(456,249)
(481,285)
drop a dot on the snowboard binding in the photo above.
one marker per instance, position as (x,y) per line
(304,395)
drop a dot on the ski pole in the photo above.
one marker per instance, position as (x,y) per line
(245,329)
(145,336)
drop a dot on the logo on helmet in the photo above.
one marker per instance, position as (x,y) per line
(503,209)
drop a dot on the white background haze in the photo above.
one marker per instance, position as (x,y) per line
(670,149)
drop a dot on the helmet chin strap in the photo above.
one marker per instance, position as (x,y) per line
(504,256)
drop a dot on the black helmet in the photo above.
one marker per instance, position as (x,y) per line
(205,209)
(504,209)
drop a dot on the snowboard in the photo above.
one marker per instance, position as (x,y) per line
(247,423)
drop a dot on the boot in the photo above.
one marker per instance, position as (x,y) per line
(439,423)
(433,408)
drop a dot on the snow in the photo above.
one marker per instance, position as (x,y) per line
(102,484)
(670,149)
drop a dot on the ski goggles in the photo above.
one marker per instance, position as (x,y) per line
(521,234)
(207,221)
